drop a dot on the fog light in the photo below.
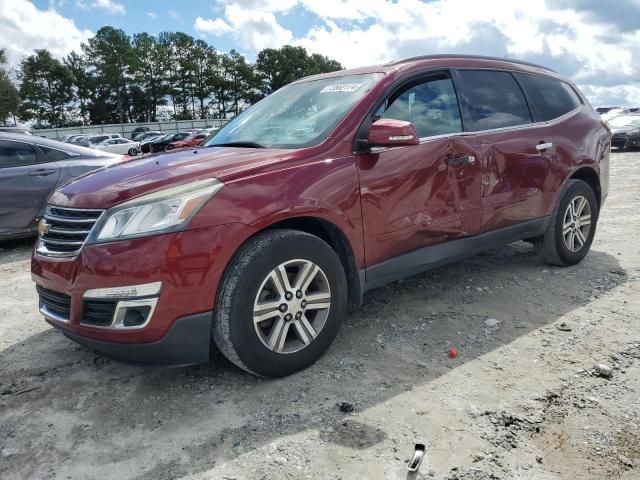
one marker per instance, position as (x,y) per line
(136,316)
(133,313)
(135,304)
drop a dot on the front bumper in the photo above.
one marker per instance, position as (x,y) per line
(622,140)
(189,265)
(186,343)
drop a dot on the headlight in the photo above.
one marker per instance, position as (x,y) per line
(633,132)
(159,212)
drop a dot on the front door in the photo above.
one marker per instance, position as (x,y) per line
(419,195)
(26,180)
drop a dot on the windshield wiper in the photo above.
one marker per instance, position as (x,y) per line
(238,144)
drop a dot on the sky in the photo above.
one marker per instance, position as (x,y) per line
(596,43)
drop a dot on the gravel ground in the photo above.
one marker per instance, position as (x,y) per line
(545,386)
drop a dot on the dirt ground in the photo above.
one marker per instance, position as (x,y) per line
(521,401)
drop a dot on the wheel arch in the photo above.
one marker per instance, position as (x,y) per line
(591,178)
(337,240)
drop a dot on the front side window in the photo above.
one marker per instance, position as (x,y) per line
(492,99)
(431,105)
(551,98)
(16,154)
(298,115)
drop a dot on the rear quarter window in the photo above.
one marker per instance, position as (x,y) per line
(54,154)
(492,99)
(550,98)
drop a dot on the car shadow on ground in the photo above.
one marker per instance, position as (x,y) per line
(169,422)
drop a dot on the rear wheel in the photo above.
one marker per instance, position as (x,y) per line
(280,303)
(572,227)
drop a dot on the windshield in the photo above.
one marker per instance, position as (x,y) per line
(298,115)
(625,121)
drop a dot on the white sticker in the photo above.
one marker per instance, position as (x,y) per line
(341,87)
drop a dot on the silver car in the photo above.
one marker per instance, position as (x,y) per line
(30,169)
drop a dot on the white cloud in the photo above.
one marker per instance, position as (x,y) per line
(251,23)
(215,27)
(29,28)
(175,16)
(152,15)
(110,6)
(575,37)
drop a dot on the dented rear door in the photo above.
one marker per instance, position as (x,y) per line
(517,175)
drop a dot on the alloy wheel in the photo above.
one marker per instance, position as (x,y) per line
(576,224)
(292,306)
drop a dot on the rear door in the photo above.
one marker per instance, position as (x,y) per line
(517,170)
(418,195)
(554,105)
(27,177)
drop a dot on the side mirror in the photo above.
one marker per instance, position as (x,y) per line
(387,132)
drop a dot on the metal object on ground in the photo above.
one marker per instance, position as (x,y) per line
(418,456)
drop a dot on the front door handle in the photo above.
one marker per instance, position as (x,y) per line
(461,160)
(42,172)
(542,146)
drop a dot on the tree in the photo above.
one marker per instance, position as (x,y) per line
(149,75)
(278,67)
(111,54)
(45,89)
(81,81)
(320,64)
(234,84)
(205,62)
(117,79)
(9,97)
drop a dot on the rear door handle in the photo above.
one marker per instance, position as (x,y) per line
(42,172)
(541,147)
(461,160)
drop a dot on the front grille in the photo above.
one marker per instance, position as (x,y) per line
(66,230)
(98,313)
(56,303)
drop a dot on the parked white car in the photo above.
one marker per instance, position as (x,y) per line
(123,146)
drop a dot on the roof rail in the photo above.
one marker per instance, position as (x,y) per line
(477,57)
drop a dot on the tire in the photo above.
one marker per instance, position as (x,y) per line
(132,152)
(249,283)
(555,246)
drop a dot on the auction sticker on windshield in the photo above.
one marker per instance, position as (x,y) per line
(341,87)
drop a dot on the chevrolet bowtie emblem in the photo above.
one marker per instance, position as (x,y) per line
(43,227)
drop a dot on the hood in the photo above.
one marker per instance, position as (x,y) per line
(110,186)
(625,129)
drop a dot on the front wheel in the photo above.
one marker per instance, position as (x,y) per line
(280,303)
(132,152)
(572,226)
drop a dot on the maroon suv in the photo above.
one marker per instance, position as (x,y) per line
(334,185)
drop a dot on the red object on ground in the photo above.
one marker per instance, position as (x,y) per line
(453,352)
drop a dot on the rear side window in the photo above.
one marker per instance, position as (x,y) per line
(16,154)
(550,98)
(430,104)
(492,100)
